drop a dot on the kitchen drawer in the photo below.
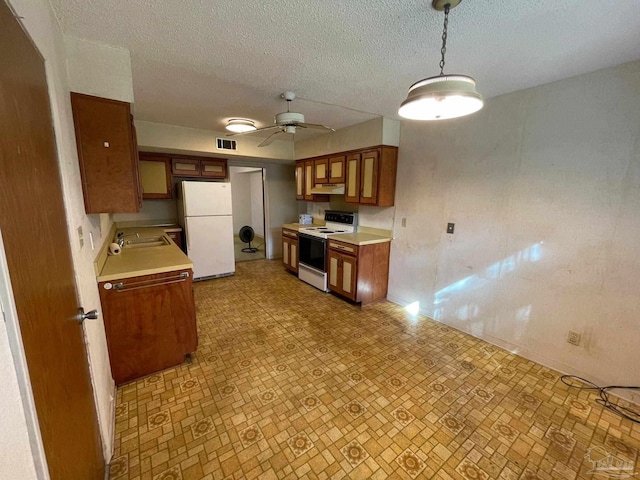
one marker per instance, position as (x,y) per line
(289,233)
(344,247)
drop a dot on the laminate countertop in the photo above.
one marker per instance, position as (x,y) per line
(360,238)
(135,262)
(298,226)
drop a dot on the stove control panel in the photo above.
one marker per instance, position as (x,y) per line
(347,218)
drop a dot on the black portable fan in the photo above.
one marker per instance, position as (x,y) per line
(246,235)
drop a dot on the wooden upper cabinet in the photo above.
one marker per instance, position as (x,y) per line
(213,168)
(155,175)
(305,180)
(308,179)
(300,180)
(352,187)
(108,154)
(185,167)
(337,169)
(329,170)
(182,166)
(321,170)
(371,177)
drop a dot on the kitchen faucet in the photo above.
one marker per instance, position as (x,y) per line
(121,237)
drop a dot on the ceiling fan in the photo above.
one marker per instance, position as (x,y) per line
(285,122)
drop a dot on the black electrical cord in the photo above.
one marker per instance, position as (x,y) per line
(618,409)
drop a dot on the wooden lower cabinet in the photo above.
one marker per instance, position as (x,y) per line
(290,250)
(359,273)
(150,323)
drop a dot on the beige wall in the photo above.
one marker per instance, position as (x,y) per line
(544,188)
(378,131)
(162,137)
(98,69)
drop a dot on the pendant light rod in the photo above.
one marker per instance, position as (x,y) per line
(443,50)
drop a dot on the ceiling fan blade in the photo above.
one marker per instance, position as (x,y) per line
(263,129)
(315,125)
(269,140)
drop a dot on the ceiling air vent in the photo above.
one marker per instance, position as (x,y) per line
(224,144)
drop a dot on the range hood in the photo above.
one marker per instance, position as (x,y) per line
(328,189)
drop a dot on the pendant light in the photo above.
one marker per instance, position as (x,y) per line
(240,125)
(442,96)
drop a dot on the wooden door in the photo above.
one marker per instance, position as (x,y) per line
(349,274)
(293,257)
(107,153)
(34,226)
(286,249)
(369,177)
(150,323)
(352,188)
(212,168)
(300,180)
(333,273)
(155,176)
(336,169)
(321,170)
(308,179)
(185,167)
(342,274)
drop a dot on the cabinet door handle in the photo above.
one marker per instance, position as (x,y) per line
(122,287)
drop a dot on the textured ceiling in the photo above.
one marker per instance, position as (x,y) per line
(197,63)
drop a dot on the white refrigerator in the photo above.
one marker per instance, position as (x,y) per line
(204,212)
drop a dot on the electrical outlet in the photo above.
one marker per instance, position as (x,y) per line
(574,338)
(451,227)
(404,222)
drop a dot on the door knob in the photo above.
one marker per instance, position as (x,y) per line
(91,315)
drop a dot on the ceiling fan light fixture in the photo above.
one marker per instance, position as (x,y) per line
(443,96)
(240,125)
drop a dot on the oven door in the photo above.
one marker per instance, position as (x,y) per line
(312,251)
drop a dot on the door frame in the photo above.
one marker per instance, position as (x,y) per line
(20,364)
(268,237)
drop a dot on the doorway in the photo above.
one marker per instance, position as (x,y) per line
(247,189)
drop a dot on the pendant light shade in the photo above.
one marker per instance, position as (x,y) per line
(240,125)
(442,96)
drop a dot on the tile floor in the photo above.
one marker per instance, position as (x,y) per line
(289,382)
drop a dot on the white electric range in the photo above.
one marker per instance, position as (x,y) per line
(312,246)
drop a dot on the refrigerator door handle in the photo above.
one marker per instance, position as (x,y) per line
(187,236)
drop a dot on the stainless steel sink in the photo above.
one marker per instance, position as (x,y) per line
(143,242)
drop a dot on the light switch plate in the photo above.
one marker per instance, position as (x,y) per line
(80,236)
